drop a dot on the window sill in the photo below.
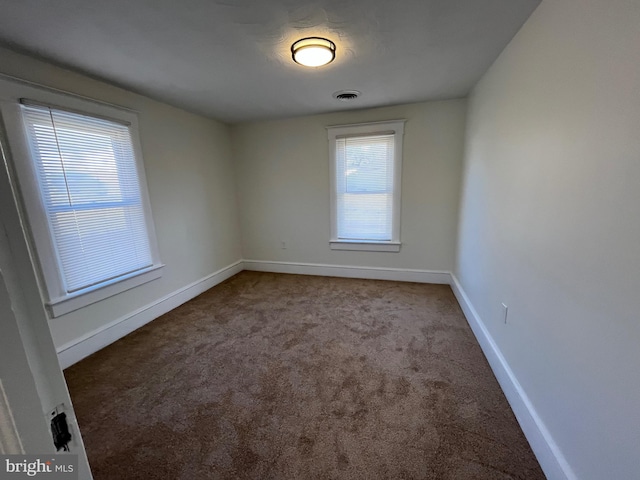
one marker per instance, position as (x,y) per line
(365,246)
(82,298)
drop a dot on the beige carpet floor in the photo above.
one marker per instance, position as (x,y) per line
(271,376)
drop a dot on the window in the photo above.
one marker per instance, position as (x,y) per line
(84,194)
(365,192)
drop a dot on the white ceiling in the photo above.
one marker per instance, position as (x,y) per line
(231,60)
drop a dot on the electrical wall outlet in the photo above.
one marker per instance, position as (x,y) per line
(505,311)
(283,244)
(55,411)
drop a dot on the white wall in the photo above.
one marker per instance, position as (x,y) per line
(190,176)
(550,224)
(283,187)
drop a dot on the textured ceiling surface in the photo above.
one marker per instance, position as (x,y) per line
(231,59)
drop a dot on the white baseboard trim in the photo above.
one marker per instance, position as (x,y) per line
(373,273)
(549,455)
(82,347)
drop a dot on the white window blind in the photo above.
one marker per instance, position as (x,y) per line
(364,187)
(90,190)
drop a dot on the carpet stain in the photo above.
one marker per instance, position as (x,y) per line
(273,376)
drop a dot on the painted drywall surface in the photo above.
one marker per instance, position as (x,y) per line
(549,224)
(190,178)
(283,185)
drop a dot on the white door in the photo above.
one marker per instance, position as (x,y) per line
(23,427)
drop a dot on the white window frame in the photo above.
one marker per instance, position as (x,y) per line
(25,183)
(363,129)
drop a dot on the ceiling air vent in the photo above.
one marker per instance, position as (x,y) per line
(346,95)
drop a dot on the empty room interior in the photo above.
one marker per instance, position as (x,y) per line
(321,239)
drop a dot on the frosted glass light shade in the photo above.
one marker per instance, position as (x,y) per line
(313,51)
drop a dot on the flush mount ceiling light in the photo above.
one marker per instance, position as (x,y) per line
(313,51)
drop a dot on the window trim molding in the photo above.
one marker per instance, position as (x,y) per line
(95,293)
(335,132)
(368,246)
(24,181)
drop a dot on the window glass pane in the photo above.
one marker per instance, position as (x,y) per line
(91,193)
(369,165)
(364,170)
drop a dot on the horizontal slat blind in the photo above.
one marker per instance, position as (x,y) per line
(364,184)
(91,194)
